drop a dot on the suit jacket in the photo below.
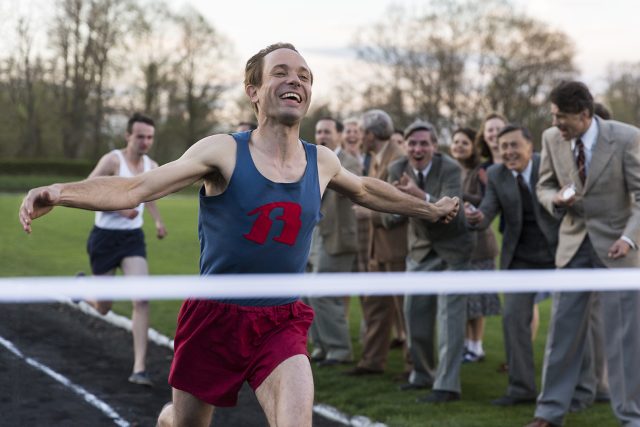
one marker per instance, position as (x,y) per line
(338,226)
(387,243)
(452,242)
(503,195)
(608,204)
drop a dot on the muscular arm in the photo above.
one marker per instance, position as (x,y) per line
(379,195)
(116,193)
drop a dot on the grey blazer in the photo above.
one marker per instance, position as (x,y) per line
(503,195)
(452,242)
(608,205)
(338,226)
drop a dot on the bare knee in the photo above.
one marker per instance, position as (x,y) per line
(165,419)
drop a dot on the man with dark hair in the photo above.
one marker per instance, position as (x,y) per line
(335,245)
(528,243)
(428,175)
(590,178)
(117,239)
(258,205)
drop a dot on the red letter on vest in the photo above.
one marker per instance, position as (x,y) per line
(262,225)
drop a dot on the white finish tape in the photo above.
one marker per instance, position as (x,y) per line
(34,289)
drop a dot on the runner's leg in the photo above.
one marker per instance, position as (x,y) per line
(185,411)
(137,266)
(286,395)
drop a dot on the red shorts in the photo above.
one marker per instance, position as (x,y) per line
(220,346)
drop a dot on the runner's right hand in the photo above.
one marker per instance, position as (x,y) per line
(36,203)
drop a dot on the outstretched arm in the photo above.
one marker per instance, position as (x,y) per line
(380,196)
(116,193)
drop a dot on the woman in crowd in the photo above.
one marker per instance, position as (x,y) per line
(464,150)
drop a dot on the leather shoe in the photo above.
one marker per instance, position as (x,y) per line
(539,422)
(396,343)
(511,401)
(412,386)
(359,371)
(331,362)
(439,396)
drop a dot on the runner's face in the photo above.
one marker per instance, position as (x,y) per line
(285,93)
(140,139)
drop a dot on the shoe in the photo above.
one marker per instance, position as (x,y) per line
(503,368)
(396,343)
(578,406)
(76,301)
(402,377)
(359,372)
(539,422)
(471,357)
(439,396)
(511,401)
(141,378)
(412,386)
(317,355)
(602,398)
(332,362)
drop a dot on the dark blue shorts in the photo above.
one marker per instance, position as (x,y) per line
(107,248)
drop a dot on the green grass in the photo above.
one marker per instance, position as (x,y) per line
(57,248)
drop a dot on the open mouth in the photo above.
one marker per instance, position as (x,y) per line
(291,95)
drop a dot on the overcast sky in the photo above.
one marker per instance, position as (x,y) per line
(604,32)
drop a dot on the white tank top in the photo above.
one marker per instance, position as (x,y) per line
(113,220)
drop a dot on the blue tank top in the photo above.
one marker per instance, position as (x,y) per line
(257,225)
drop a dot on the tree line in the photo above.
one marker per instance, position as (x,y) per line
(447,61)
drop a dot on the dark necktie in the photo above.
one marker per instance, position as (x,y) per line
(580,160)
(421,180)
(525,193)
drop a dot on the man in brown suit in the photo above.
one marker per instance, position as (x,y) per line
(590,177)
(387,249)
(335,247)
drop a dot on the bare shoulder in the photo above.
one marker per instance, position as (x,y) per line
(328,163)
(109,164)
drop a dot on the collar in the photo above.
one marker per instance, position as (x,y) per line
(590,137)
(424,171)
(526,173)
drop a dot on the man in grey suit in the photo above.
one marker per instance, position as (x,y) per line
(590,177)
(335,246)
(429,175)
(511,190)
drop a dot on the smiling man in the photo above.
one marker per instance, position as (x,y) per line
(258,205)
(599,160)
(510,190)
(428,175)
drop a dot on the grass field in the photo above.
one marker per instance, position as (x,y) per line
(57,248)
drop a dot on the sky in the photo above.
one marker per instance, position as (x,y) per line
(604,32)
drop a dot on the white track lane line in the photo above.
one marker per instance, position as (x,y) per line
(326,411)
(86,395)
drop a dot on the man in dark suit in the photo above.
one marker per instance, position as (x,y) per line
(335,246)
(529,243)
(590,178)
(429,175)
